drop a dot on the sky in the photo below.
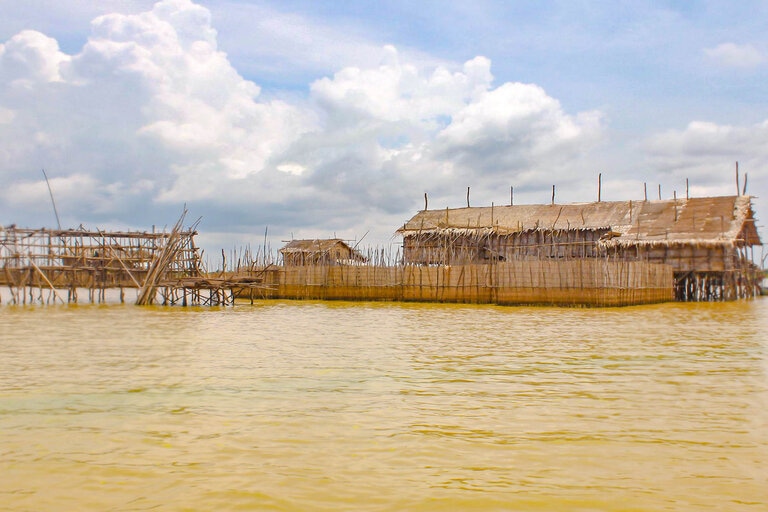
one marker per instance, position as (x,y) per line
(316,119)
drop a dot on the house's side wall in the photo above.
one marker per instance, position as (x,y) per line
(548,244)
(461,249)
(690,257)
(701,271)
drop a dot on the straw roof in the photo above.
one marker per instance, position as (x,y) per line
(313,246)
(704,221)
(318,246)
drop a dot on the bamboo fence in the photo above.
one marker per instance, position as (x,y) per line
(595,282)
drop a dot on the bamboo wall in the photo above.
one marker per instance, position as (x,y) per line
(555,282)
(702,271)
(479,247)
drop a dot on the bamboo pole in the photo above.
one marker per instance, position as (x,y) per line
(599,186)
(45,278)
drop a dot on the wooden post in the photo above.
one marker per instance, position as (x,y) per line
(659,191)
(467,197)
(645,191)
(426,202)
(737,178)
(744,190)
(553,194)
(511,196)
(686,190)
(599,186)
(674,195)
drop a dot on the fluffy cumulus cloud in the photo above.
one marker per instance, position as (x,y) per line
(150,114)
(30,57)
(513,127)
(149,99)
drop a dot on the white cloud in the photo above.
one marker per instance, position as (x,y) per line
(292,168)
(706,153)
(393,91)
(30,57)
(395,129)
(151,114)
(736,55)
(704,140)
(514,128)
(67,188)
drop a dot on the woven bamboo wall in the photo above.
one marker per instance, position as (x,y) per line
(572,282)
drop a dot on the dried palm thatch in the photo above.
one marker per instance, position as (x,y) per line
(696,220)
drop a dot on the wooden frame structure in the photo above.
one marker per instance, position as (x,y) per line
(163,267)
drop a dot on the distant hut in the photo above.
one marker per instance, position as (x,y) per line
(707,241)
(332,251)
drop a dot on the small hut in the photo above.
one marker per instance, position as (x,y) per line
(707,241)
(329,252)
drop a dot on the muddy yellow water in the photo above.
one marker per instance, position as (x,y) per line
(298,406)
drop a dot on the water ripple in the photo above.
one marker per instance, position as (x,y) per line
(376,407)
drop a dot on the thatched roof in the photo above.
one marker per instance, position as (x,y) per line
(317,246)
(313,246)
(704,220)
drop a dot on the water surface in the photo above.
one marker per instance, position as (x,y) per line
(294,406)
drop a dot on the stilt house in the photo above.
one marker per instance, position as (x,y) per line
(332,251)
(707,241)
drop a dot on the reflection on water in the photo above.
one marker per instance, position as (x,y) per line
(339,406)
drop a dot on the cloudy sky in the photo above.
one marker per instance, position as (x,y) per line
(317,119)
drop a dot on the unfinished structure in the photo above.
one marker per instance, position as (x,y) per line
(707,242)
(39,265)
